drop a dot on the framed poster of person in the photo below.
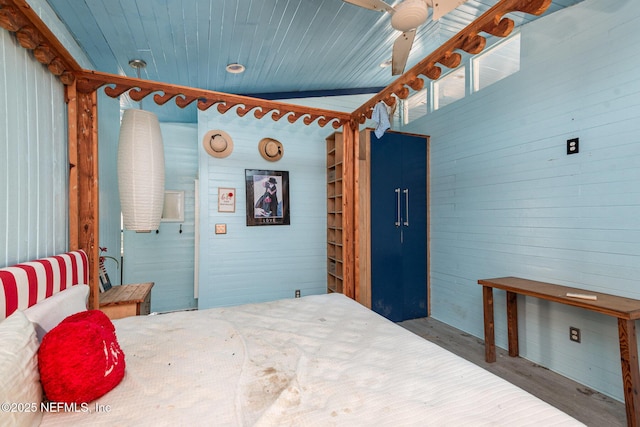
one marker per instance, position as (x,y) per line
(267,197)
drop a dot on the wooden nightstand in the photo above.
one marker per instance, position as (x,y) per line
(126,300)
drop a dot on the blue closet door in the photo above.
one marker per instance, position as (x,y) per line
(398,226)
(387,294)
(414,227)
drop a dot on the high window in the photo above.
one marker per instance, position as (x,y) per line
(476,73)
(450,88)
(495,64)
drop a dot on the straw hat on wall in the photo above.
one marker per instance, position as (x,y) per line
(217,143)
(270,149)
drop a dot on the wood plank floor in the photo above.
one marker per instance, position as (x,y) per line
(584,404)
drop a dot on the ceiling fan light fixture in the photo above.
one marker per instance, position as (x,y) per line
(409,14)
(235,68)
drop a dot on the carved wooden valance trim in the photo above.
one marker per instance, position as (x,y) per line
(18,17)
(138,89)
(468,40)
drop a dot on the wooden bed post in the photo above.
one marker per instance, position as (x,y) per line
(83,181)
(349,208)
(72,147)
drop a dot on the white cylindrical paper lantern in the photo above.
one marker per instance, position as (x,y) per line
(141,170)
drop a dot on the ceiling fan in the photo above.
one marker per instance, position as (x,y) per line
(406,16)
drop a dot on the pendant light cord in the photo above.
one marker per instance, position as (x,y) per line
(138,64)
(139,102)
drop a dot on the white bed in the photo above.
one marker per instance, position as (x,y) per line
(318,360)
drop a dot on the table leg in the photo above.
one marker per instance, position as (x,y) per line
(630,370)
(489,335)
(512,323)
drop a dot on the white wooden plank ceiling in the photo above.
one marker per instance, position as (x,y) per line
(286,45)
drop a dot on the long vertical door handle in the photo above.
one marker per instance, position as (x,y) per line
(406,206)
(398,207)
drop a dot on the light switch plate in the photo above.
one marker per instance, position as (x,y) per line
(221,228)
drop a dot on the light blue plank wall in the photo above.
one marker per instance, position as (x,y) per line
(108,132)
(167,258)
(33,149)
(148,256)
(261,263)
(33,157)
(507,200)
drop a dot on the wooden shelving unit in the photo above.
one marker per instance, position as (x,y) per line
(334,213)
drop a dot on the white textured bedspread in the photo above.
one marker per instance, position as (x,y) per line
(314,361)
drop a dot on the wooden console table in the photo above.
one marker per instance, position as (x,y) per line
(626,310)
(126,300)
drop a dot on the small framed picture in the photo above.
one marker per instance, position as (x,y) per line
(226,199)
(267,197)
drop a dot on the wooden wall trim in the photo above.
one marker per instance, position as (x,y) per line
(468,40)
(349,266)
(357,231)
(18,17)
(363,221)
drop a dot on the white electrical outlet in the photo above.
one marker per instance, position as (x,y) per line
(574,334)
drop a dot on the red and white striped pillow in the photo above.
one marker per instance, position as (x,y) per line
(25,284)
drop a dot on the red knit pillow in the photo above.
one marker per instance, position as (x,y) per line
(92,316)
(80,359)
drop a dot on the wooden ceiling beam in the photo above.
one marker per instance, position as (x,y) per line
(468,40)
(139,89)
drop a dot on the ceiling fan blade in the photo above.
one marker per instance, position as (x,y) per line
(401,49)
(442,7)
(378,5)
